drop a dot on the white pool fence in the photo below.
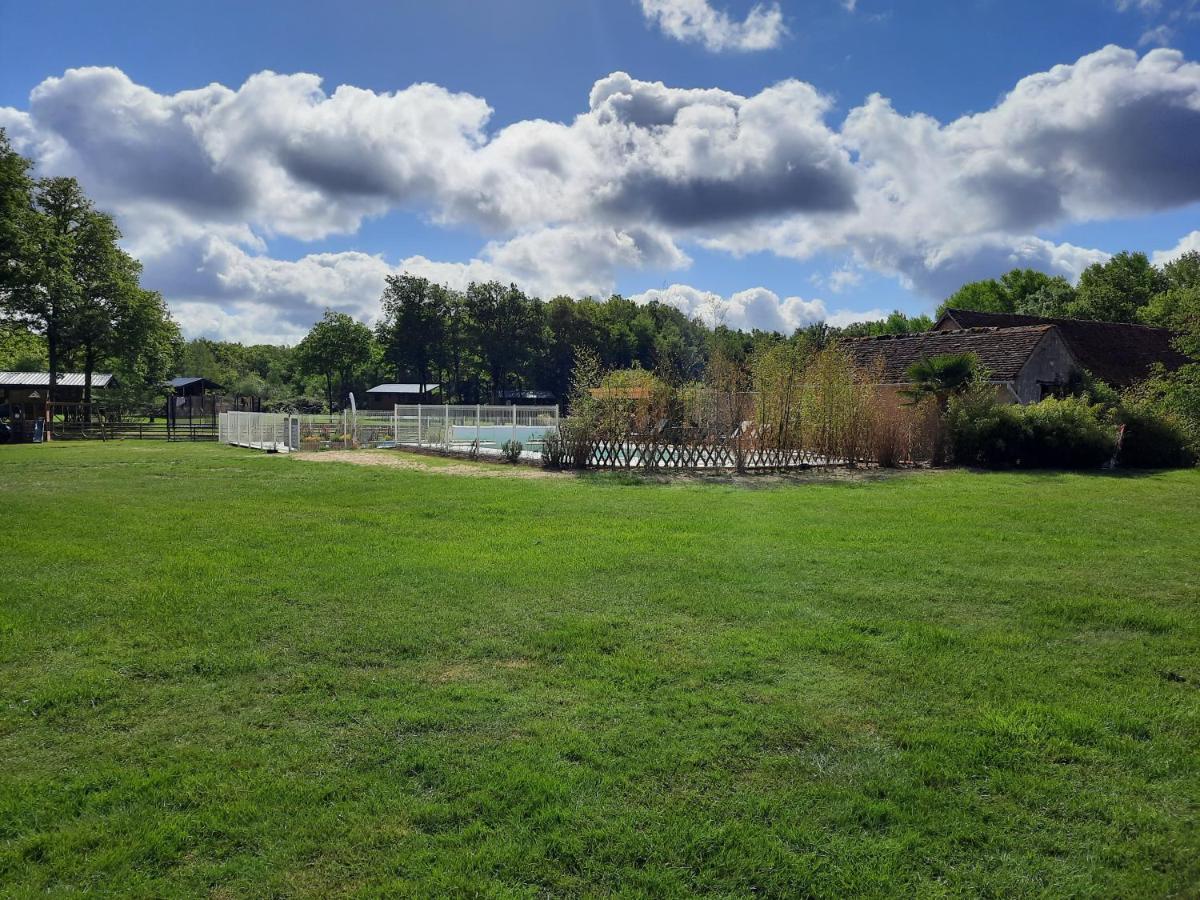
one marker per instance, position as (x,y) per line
(464,427)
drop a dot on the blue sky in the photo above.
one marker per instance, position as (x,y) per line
(256,209)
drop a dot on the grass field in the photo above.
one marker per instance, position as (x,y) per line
(223,672)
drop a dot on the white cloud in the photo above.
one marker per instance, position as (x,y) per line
(1189,243)
(201,180)
(754,308)
(843,278)
(697,22)
(1159,36)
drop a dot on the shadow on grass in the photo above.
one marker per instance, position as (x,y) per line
(1060,474)
(746,480)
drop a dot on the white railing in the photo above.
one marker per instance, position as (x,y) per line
(464,426)
(276,432)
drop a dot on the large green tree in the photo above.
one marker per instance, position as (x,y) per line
(1178,307)
(335,348)
(1114,291)
(1024,291)
(507,328)
(414,327)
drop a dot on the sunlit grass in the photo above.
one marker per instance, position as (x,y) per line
(227,672)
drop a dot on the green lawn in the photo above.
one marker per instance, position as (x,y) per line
(231,673)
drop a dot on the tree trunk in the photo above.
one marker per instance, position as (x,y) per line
(329,391)
(52,359)
(89,363)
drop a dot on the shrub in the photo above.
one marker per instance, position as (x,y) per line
(1057,434)
(554,450)
(1174,397)
(1152,438)
(512,451)
(1065,434)
(981,431)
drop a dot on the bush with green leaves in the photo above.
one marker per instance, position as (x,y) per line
(1067,433)
(554,450)
(1152,438)
(980,430)
(511,451)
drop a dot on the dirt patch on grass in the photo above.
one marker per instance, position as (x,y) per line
(395,461)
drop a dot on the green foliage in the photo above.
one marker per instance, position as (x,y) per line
(1025,291)
(1067,433)
(20,349)
(415,326)
(1152,437)
(1116,290)
(1183,273)
(1177,308)
(896,323)
(555,451)
(1175,398)
(941,377)
(335,348)
(1053,299)
(983,296)
(511,451)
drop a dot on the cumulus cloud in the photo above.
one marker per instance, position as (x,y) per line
(1189,243)
(697,22)
(201,180)
(753,308)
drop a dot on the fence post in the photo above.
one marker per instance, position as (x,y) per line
(446,425)
(419,424)
(396,424)
(514,432)
(476,427)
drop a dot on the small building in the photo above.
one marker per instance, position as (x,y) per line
(193,399)
(193,386)
(1026,363)
(23,397)
(1117,353)
(385,396)
(27,391)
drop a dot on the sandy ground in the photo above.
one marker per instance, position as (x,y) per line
(395,461)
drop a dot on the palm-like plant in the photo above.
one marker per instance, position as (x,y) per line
(940,377)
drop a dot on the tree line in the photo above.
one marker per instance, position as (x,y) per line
(1126,288)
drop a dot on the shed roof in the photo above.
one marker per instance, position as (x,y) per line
(186,380)
(403,389)
(42,379)
(1115,352)
(1002,351)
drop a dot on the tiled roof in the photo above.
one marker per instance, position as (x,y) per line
(1115,352)
(42,379)
(1002,351)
